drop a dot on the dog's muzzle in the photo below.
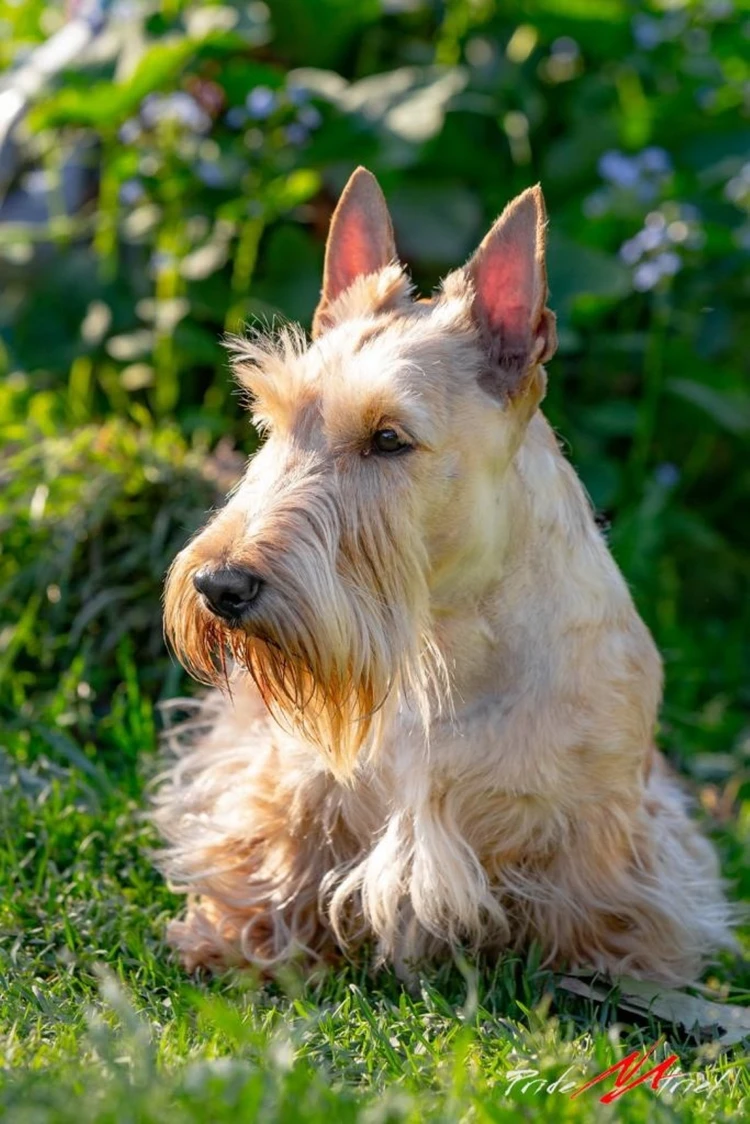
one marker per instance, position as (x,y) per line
(229,592)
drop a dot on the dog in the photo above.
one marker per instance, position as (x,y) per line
(436,728)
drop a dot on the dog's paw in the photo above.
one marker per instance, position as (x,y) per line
(202,943)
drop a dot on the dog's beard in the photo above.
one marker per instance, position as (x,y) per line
(346,642)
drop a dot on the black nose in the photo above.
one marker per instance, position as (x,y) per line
(229,591)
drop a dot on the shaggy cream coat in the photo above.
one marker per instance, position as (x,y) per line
(437,725)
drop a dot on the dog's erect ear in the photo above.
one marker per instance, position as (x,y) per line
(510,293)
(360,241)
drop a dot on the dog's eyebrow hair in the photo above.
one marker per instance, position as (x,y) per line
(372,332)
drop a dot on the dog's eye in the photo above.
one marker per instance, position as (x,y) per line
(388,441)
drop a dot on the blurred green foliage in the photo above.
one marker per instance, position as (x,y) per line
(175,182)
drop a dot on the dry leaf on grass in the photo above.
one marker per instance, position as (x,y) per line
(687,1011)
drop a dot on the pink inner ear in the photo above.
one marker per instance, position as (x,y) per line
(505,290)
(354,252)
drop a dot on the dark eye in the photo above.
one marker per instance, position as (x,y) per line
(388,441)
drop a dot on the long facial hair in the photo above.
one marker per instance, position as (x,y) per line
(346,635)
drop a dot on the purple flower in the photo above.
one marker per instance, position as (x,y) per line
(37,182)
(179,108)
(646,276)
(646,32)
(655,160)
(565,47)
(652,237)
(719,9)
(737,189)
(631,251)
(131,192)
(646,191)
(130,131)
(618,168)
(210,173)
(309,117)
(236,117)
(160,259)
(668,263)
(296,134)
(651,251)
(298,95)
(666,474)
(261,102)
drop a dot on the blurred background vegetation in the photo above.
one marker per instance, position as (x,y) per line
(174,180)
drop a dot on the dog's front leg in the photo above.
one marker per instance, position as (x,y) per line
(254,833)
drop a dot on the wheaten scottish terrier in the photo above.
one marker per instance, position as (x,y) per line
(437,722)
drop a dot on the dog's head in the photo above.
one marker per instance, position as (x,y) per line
(370,510)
